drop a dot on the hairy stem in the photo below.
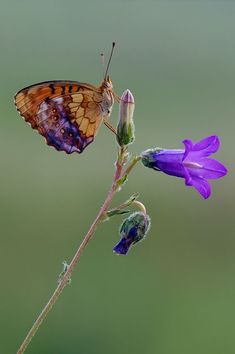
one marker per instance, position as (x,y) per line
(131,165)
(65,278)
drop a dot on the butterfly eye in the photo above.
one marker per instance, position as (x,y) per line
(70,134)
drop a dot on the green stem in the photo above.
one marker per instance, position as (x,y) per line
(131,166)
(64,280)
(140,206)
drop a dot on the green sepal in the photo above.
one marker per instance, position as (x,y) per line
(125,133)
(147,158)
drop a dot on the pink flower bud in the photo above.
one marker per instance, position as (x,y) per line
(125,128)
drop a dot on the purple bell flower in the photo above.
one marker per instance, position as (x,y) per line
(192,163)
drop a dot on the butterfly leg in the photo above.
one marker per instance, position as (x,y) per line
(108,125)
(117,98)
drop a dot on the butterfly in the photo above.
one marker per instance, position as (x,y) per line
(67,113)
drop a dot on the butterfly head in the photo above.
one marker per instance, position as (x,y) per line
(107,83)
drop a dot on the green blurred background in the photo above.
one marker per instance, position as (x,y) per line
(175,292)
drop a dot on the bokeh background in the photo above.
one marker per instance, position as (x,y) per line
(175,292)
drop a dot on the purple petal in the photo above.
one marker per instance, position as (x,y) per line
(202,186)
(169,162)
(188,147)
(122,247)
(188,178)
(210,169)
(205,147)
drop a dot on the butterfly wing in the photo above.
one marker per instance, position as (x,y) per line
(67,113)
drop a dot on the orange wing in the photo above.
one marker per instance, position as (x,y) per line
(67,113)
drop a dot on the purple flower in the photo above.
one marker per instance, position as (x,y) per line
(192,163)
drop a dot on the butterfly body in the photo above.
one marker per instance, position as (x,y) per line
(67,113)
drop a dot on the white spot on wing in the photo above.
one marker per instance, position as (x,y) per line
(58,100)
(42,113)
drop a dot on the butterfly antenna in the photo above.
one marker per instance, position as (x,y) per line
(102,62)
(110,57)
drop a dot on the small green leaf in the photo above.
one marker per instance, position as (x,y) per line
(122,181)
(131,199)
(113,212)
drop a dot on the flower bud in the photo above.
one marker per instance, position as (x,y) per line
(132,230)
(126,128)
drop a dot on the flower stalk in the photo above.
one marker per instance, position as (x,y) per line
(65,279)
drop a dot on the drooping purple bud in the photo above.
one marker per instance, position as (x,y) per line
(132,230)
(126,128)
